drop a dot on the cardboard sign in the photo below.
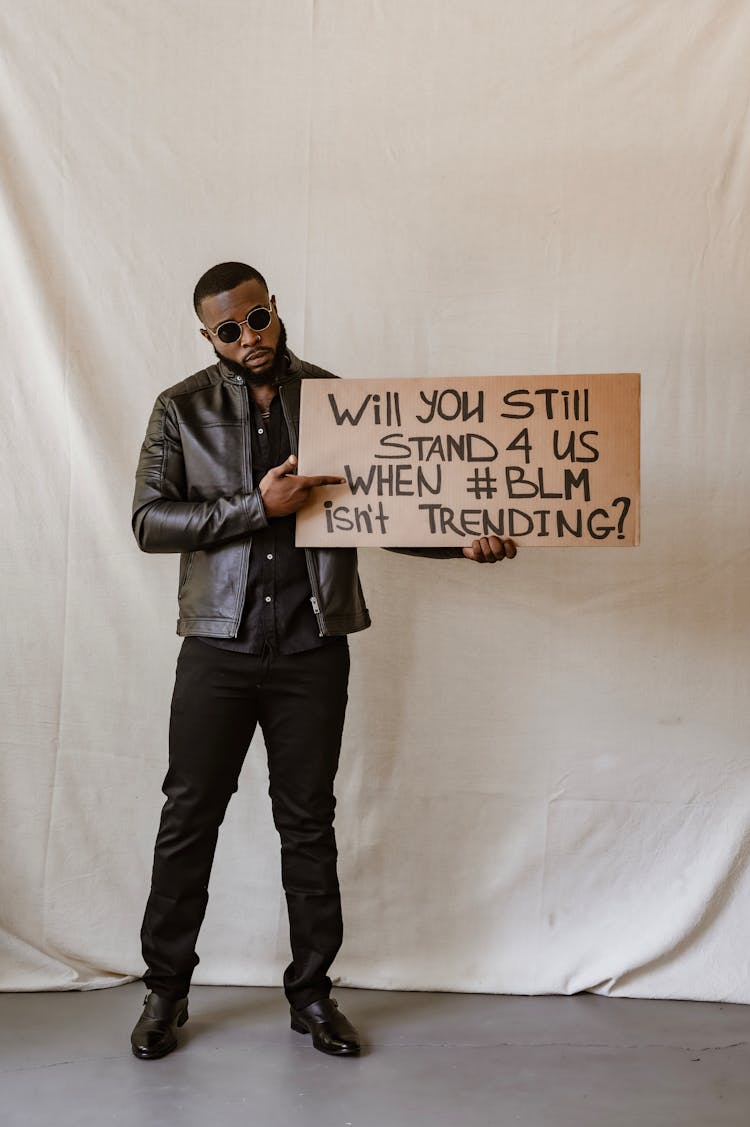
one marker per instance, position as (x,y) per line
(551,461)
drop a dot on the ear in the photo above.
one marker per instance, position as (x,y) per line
(205,333)
(273,302)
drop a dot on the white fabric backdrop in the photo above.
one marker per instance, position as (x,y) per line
(545,781)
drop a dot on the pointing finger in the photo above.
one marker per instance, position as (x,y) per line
(319,479)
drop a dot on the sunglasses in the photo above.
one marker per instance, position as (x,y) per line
(257,319)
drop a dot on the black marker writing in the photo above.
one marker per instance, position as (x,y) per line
(443,448)
(449,404)
(519,484)
(576,442)
(517,523)
(388,413)
(396,481)
(359,518)
(571,404)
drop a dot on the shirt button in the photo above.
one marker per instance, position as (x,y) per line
(268,598)
(269,556)
(260,430)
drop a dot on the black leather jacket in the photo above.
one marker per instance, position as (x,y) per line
(194,495)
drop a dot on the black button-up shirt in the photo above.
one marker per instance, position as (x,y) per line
(278,614)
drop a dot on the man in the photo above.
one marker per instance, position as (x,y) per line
(265,628)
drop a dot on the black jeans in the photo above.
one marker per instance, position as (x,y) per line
(219,697)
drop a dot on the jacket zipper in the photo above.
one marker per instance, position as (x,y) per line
(315,598)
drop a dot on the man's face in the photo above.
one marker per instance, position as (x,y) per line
(255,352)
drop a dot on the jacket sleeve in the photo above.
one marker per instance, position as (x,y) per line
(430,553)
(163,521)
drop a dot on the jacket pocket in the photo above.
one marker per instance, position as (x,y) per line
(186,566)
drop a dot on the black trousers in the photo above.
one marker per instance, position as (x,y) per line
(219,696)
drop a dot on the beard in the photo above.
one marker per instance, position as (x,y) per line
(269,378)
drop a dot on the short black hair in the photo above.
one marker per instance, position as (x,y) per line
(224,277)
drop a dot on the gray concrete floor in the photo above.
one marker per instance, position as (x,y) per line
(465,1060)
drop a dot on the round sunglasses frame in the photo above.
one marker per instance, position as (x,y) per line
(268,309)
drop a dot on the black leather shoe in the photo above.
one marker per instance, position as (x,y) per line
(154,1034)
(331,1032)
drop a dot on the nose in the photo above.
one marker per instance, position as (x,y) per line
(249,336)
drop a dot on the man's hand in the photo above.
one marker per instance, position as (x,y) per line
(284,491)
(490,549)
